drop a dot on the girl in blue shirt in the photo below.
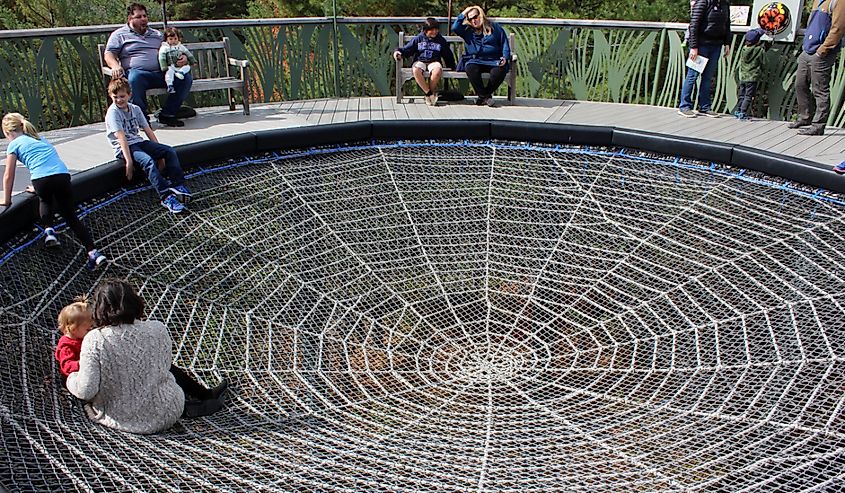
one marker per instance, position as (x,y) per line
(50,179)
(486,51)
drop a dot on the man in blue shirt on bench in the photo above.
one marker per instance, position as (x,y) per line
(132,52)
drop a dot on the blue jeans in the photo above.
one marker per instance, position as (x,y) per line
(140,80)
(145,155)
(712,53)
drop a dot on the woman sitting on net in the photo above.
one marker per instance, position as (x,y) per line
(126,373)
(486,51)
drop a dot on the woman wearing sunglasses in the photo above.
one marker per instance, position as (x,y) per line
(486,51)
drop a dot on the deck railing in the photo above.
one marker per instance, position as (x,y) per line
(53,75)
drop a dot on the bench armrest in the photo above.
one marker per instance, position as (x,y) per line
(513,57)
(106,71)
(239,63)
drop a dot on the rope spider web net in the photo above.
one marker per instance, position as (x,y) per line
(457,317)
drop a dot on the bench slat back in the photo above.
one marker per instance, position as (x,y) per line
(212,59)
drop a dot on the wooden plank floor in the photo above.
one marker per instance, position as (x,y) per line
(85,147)
(758,133)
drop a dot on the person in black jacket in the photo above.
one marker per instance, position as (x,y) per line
(428,48)
(709,29)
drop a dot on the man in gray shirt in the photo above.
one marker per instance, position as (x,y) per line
(132,52)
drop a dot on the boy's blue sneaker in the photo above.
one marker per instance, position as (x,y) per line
(95,259)
(182,193)
(172,204)
(839,169)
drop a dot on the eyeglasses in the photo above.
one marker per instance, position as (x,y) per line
(472,18)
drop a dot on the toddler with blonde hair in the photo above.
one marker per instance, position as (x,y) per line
(75,320)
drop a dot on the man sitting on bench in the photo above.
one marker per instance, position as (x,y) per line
(132,52)
(428,48)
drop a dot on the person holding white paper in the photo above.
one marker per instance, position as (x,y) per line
(698,64)
(709,29)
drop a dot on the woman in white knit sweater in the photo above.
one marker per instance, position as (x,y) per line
(125,368)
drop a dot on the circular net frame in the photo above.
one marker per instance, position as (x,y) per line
(456,317)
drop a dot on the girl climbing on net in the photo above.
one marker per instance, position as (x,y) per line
(50,181)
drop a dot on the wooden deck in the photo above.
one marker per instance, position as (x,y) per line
(85,147)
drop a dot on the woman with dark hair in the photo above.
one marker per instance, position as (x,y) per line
(486,51)
(126,373)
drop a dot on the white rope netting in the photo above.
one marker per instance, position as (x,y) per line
(457,317)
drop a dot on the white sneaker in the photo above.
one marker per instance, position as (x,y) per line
(50,239)
(434,99)
(428,100)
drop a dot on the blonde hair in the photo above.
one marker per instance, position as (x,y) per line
(15,122)
(486,26)
(73,314)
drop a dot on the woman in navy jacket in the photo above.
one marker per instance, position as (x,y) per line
(486,51)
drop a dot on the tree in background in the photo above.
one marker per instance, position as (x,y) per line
(349,8)
(287,8)
(655,10)
(16,14)
(215,9)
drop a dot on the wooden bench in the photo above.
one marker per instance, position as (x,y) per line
(212,71)
(404,74)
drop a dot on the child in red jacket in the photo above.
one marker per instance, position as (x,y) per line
(75,320)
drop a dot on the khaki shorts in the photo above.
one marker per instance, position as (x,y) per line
(427,66)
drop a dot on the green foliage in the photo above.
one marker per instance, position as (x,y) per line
(287,8)
(382,8)
(215,9)
(16,14)
(57,13)
(351,8)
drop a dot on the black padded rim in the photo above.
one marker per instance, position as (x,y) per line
(305,137)
(109,176)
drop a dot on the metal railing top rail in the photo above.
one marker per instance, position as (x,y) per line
(107,28)
(609,23)
(590,23)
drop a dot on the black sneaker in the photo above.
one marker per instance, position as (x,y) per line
(186,112)
(480,100)
(170,121)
